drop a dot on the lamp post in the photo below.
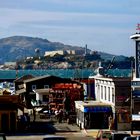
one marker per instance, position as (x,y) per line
(131,98)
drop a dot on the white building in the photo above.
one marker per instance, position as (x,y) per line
(52,53)
(42,96)
(60,52)
(115,91)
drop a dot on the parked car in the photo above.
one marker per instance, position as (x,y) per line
(54,137)
(103,135)
(110,135)
(129,138)
(137,137)
(2,136)
(119,136)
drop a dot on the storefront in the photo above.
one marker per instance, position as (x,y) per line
(93,114)
(135,125)
(123,119)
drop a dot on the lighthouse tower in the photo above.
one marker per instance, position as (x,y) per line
(136,38)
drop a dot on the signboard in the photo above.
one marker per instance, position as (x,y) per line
(98,109)
(121,98)
(135,117)
(137,59)
(135,83)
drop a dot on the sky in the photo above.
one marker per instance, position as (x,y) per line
(104,25)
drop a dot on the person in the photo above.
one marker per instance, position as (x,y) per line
(34,115)
(110,121)
(60,116)
(27,120)
(56,114)
(86,121)
(23,120)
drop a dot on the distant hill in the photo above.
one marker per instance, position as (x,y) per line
(18,47)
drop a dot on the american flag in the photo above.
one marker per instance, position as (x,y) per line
(138,27)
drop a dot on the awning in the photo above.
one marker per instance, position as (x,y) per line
(98,109)
(136,93)
(20,91)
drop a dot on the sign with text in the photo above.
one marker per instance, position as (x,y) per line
(135,83)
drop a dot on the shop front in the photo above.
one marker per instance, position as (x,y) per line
(93,114)
(123,119)
(8,118)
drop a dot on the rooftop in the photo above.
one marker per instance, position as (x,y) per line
(91,103)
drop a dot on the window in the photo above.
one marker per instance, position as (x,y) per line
(105,92)
(113,98)
(45,98)
(108,93)
(33,87)
(113,95)
(101,92)
(46,86)
(98,92)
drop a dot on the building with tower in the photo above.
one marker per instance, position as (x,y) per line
(114,91)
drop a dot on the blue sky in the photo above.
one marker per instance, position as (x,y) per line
(104,25)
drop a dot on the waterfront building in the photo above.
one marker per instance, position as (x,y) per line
(53,53)
(113,92)
(63,52)
(92,114)
(48,90)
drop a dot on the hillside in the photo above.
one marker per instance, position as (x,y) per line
(18,47)
(107,56)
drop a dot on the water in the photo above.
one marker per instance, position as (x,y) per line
(64,73)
